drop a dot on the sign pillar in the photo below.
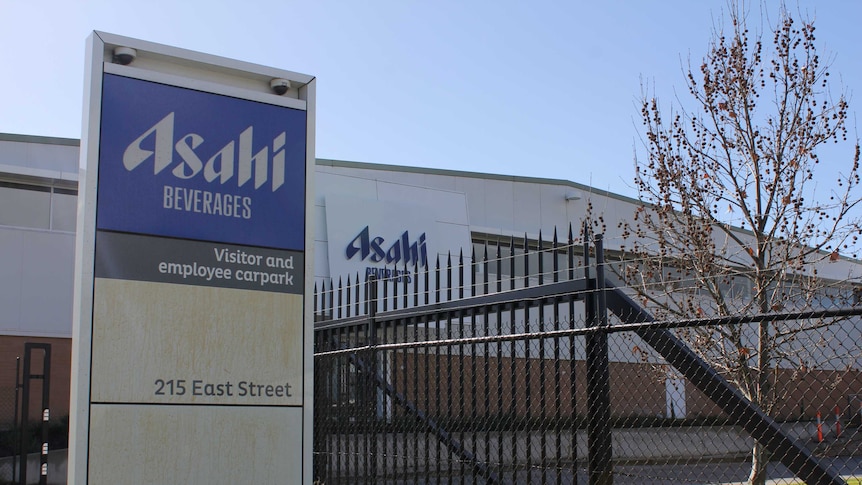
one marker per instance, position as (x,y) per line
(192,351)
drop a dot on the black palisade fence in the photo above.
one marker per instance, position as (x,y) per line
(524,362)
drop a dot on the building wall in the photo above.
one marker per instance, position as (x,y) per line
(38,209)
(36,281)
(503,205)
(390,206)
(38,183)
(12,348)
(37,156)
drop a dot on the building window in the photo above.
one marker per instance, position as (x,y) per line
(38,206)
(64,209)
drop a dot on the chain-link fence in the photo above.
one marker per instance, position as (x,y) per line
(25,370)
(532,366)
(9,433)
(10,411)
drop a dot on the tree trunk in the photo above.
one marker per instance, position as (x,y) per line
(759,459)
(762,388)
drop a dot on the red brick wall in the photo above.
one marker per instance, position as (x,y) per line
(457,384)
(60,374)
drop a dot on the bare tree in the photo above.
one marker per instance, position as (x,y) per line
(738,209)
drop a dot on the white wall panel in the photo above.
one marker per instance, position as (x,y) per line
(36,278)
(11,272)
(61,158)
(552,203)
(527,208)
(474,190)
(443,182)
(341,184)
(500,210)
(447,206)
(321,259)
(319,212)
(46,298)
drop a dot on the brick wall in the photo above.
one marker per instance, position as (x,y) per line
(60,374)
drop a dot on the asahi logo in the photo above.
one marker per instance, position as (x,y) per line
(400,252)
(233,159)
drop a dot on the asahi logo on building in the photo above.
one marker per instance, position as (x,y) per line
(394,235)
(402,253)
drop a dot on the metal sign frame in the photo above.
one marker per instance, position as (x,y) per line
(117,406)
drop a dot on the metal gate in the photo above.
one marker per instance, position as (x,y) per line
(518,367)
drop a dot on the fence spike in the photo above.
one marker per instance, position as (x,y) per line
(314,301)
(526,261)
(512,262)
(554,248)
(416,284)
(474,269)
(499,269)
(461,274)
(485,271)
(541,252)
(404,281)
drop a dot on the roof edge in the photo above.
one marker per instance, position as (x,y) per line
(45,140)
(459,173)
(376,166)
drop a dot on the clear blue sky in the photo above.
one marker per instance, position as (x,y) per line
(544,89)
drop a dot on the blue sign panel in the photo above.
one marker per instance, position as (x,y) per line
(182,163)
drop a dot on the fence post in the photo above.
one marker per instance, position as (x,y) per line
(15,428)
(25,417)
(46,386)
(25,410)
(371,386)
(599,439)
(573,367)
